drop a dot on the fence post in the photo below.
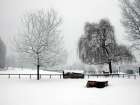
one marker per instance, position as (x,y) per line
(60,76)
(50,76)
(134,76)
(19,76)
(9,75)
(139,71)
(128,76)
(30,76)
(40,76)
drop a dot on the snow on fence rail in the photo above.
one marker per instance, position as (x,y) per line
(61,75)
(112,75)
(30,75)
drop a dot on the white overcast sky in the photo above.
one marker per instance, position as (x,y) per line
(74,13)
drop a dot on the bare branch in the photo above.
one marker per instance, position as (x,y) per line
(39,38)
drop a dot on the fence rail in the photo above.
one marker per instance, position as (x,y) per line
(61,75)
(30,75)
(113,75)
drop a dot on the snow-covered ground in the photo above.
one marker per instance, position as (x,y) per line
(55,91)
(69,92)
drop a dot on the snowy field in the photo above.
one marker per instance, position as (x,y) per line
(121,91)
(69,92)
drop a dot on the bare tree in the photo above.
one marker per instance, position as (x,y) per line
(2,53)
(98,45)
(131,20)
(40,42)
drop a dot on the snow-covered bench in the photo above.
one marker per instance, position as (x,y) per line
(97,84)
(73,74)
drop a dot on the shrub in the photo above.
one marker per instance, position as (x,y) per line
(130,72)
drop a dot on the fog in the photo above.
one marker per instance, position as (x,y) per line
(75,13)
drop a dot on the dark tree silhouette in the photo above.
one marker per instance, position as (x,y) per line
(2,53)
(98,45)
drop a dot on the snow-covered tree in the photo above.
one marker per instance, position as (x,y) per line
(131,20)
(98,45)
(39,41)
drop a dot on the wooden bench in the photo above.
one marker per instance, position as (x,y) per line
(97,84)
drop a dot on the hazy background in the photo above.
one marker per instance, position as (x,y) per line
(75,14)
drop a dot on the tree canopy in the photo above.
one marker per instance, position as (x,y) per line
(131,20)
(39,41)
(98,45)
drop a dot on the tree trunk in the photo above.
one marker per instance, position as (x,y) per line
(110,67)
(38,65)
(139,71)
(37,72)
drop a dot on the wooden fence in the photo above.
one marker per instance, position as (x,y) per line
(112,75)
(31,75)
(61,75)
